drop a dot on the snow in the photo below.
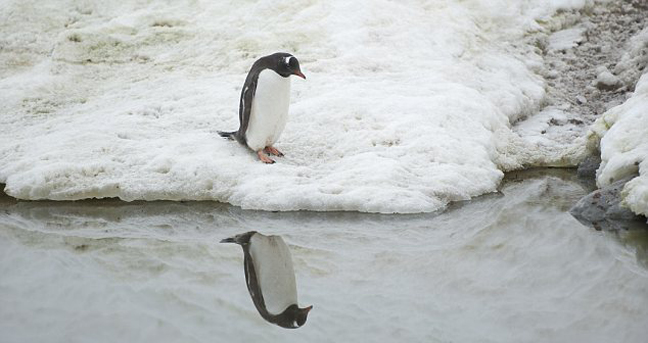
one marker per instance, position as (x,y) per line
(605,79)
(407,106)
(623,134)
(566,39)
(535,129)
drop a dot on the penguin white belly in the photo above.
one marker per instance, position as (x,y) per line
(274,270)
(269,111)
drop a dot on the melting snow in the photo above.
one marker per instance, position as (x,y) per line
(623,133)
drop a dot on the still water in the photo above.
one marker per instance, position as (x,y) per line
(506,267)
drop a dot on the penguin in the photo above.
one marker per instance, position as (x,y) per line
(270,279)
(263,107)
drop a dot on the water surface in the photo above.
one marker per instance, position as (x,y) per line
(507,267)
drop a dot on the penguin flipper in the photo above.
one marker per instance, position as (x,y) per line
(245,108)
(245,105)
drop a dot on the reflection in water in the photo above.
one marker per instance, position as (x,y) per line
(270,278)
(508,267)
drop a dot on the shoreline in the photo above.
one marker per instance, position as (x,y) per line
(569,174)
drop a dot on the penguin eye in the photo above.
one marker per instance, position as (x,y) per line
(287,61)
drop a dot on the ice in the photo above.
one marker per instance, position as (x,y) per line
(623,134)
(536,128)
(407,106)
(566,39)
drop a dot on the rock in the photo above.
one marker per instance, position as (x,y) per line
(581,100)
(588,167)
(605,80)
(602,210)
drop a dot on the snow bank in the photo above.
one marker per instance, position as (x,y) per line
(623,134)
(407,105)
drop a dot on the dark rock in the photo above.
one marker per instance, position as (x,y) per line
(602,210)
(588,167)
(575,121)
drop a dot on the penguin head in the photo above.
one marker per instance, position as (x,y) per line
(288,65)
(302,315)
(294,317)
(242,239)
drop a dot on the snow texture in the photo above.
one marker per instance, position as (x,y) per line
(623,134)
(605,79)
(566,39)
(407,105)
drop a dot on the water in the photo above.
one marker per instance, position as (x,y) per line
(507,267)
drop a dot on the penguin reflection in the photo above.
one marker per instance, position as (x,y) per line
(270,278)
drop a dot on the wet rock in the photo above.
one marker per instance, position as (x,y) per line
(602,210)
(588,167)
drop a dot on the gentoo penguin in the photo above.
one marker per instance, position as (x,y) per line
(263,108)
(270,278)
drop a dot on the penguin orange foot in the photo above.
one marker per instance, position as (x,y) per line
(264,158)
(273,151)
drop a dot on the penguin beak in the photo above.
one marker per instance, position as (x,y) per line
(307,309)
(299,73)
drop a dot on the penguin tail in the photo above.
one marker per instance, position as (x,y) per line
(228,135)
(241,239)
